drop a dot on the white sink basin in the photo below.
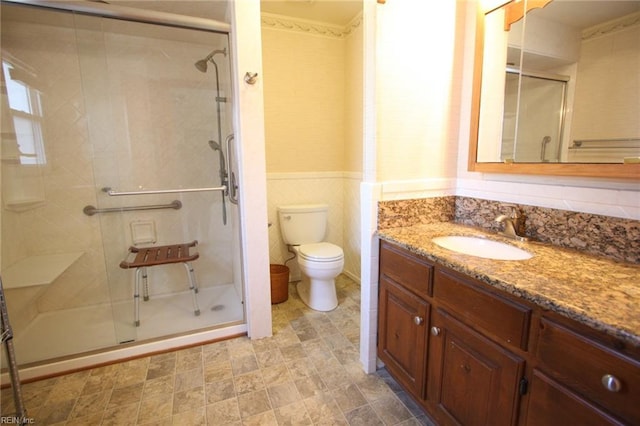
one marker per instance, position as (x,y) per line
(481,247)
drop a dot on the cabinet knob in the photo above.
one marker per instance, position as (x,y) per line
(611,383)
(418,320)
(435,331)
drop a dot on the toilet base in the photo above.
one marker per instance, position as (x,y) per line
(319,295)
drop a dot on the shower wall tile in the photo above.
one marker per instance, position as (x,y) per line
(104,126)
(59,226)
(21,309)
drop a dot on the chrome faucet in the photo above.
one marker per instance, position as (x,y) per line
(513,224)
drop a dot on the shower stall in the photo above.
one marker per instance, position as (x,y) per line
(541,99)
(116,135)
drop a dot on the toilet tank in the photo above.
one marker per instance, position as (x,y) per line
(303,223)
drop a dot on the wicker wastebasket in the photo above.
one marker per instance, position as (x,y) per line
(279,283)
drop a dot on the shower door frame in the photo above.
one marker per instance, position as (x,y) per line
(561,111)
(106,10)
(253,235)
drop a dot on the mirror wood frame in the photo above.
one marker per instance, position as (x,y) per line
(624,171)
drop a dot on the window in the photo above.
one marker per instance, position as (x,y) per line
(26,113)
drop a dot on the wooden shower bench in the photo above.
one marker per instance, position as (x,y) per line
(160,255)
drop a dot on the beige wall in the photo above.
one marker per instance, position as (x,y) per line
(313,125)
(354,89)
(304,88)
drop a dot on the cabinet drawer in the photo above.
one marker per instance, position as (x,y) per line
(500,318)
(551,403)
(406,269)
(581,364)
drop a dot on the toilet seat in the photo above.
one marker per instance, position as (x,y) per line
(320,252)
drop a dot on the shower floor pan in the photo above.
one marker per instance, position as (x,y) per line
(73,331)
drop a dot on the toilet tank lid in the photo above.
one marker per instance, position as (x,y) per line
(303,208)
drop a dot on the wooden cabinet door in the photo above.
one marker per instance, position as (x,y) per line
(551,403)
(402,324)
(472,380)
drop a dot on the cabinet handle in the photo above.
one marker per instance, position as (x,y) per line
(435,331)
(418,320)
(611,383)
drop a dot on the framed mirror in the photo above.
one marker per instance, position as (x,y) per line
(555,89)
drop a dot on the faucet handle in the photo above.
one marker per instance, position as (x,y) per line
(515,212)
(514,223)
(501,218)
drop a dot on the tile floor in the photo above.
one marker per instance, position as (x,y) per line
(308,373)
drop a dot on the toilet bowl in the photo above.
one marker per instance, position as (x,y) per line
(320,264)
(303,229)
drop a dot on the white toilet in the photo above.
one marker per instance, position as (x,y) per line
(303,228)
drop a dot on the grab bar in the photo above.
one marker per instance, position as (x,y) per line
(543,150)
(113,193)
(613,143)
(91,210)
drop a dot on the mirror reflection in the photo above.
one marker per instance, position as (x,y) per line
(561,84)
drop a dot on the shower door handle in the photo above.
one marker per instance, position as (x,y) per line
(543,149)
(110,192)
(233,188)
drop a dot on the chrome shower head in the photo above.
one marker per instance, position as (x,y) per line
(201,65)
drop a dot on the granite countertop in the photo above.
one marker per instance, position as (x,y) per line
(597,292)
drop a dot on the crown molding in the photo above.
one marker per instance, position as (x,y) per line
(281,22)
(612,26)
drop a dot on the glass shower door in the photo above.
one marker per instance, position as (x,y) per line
(121,105)
(162,111)
(541,101)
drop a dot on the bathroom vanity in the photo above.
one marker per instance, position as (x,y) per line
(554,339)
